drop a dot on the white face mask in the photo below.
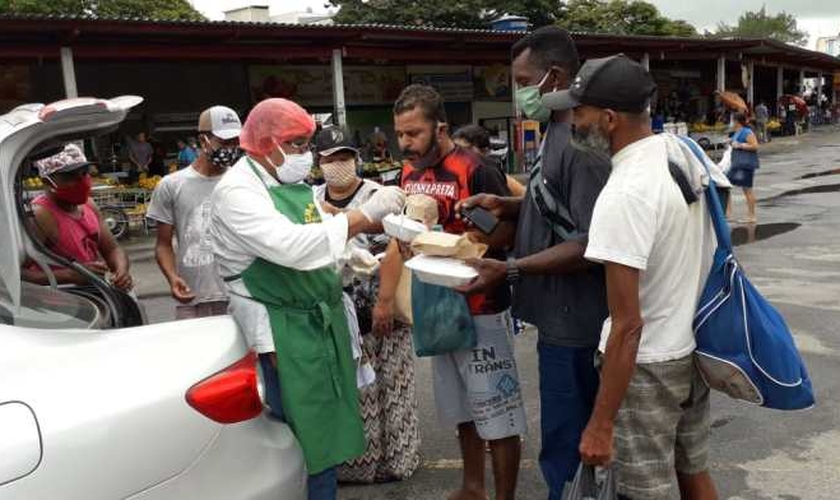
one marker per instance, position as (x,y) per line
(339,174)
(295,167)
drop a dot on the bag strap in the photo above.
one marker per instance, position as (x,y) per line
(555,213)
(722,230)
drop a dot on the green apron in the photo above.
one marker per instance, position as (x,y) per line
(314,358)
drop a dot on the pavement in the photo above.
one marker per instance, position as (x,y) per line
(793,258)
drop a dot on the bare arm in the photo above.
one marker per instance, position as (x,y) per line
(389,279)
(113,254)
(619,362)
(565,258)
(165,255)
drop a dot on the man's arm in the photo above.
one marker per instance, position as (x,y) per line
(113,254)
(165,255)
(619,362)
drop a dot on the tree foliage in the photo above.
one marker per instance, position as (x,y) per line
(594,16)
(759,24)
(153,9)
(621,17)
(444,13)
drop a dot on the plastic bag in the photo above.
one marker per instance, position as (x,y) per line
(442,320)
(586,486)
(726,162)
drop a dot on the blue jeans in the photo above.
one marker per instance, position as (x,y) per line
(323,486)
(271,383)
(568,387)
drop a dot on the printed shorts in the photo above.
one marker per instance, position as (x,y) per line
(481,384)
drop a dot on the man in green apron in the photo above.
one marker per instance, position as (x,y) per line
(278,251)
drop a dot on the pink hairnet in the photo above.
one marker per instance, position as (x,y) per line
(274,120)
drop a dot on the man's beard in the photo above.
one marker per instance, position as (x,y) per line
(424,160)
(591,139)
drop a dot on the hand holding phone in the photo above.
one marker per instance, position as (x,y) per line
(481,218)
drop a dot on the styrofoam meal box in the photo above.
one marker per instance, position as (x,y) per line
(441,271)
(402,228)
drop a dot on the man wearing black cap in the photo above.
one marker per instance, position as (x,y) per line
(554,287)
(657,245)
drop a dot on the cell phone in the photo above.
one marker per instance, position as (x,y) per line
(481,218)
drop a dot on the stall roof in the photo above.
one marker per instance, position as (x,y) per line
(127,38)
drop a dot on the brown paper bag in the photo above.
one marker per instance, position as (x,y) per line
(437,244)
(402,302)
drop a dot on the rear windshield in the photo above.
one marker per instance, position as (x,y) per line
(45,308)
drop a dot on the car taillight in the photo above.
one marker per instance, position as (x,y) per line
(231,395)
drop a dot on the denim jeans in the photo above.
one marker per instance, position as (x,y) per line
(568,387)
(271,382)
(323,486)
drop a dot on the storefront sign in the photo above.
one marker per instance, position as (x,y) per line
(312,85)
(454,85)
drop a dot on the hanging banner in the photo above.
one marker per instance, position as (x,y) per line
(492,83)
(15,87)
(312,85)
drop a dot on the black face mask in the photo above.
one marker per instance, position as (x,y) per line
(429,159)
(225,157)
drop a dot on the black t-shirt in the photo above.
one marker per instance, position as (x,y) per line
(458,175)
(568,310)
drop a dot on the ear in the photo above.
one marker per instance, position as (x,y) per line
(609,121)
(559,79)
(442,128)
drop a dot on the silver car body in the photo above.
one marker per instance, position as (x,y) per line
(101,414)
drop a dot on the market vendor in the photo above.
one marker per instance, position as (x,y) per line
(277,250)
(70,225)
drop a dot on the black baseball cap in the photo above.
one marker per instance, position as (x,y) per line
(616,82)
(333,139)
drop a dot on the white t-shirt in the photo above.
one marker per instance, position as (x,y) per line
(641,220)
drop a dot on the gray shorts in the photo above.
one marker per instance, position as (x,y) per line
(662,428)
(201,310)
(481,385)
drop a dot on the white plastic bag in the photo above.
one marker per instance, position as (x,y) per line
(589,485)
(726,162)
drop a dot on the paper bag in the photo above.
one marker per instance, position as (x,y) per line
(437,244)
(402,302)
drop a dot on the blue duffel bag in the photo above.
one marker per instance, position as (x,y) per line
(744,347)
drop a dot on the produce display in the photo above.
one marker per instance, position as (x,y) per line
(703,128)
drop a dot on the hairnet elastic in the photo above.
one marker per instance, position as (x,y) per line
(274,121)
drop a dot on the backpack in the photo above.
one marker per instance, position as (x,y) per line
(744,347)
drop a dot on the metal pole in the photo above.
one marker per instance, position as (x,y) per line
(801,82)
(646,61)
(751,84)
(780,83)
(338,88)
(819,89)
(68,72)
(721,73)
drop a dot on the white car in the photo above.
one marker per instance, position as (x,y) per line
(94,405)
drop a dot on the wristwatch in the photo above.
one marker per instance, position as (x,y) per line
(513,274)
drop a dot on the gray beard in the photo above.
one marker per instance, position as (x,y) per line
(592,141)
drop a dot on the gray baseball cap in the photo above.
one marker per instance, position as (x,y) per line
(616,82)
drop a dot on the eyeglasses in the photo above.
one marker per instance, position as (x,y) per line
(301,145)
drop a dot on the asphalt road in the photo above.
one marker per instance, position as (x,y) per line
(792,256)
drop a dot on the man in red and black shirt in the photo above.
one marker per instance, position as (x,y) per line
(476,389)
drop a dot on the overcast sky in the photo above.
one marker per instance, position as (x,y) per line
(818,17)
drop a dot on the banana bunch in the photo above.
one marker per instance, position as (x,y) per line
(148,183)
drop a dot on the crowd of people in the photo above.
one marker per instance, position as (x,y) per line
(601,251)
